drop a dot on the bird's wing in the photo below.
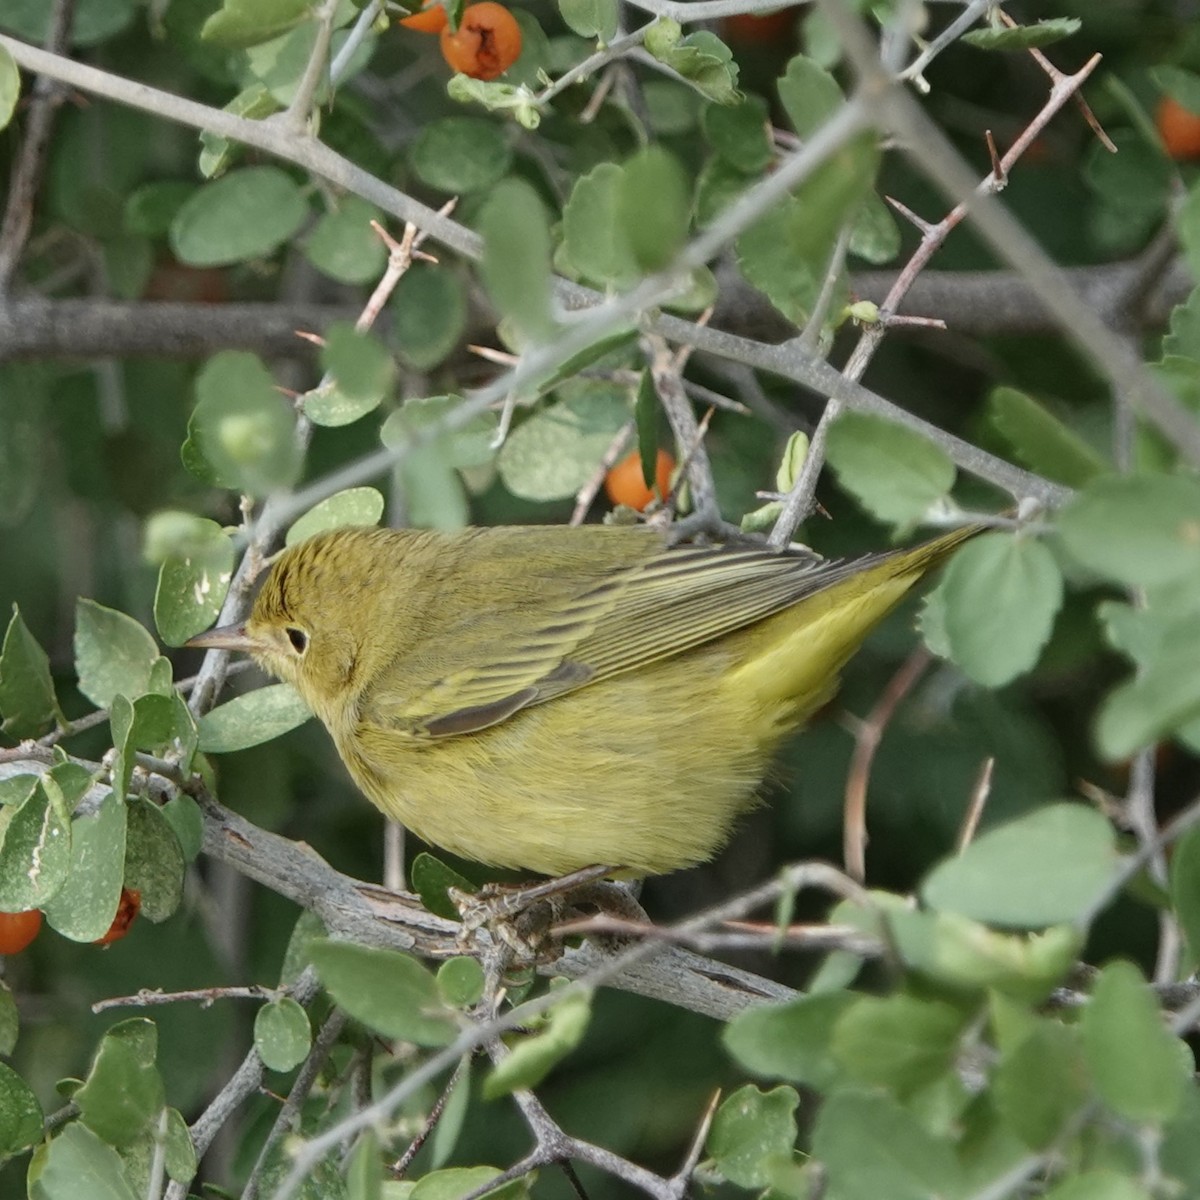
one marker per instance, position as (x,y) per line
(670,602)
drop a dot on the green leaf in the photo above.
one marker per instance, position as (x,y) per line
(653,205)
(459,444)
(786,254)
(900,1159)
(35,848)
(536,1055)
(455,1182)
(251,719)
(875,236)
(154,862)
(1045,868)
(113,654)
(700,58)
(27,700)
(434,495)
(247,214)
(240,23)
(516,257)
(646,411)
(344,246)
(955,950)
(900,1042)
(254,103)
(241,427)
(150,209)
(429,315)
(740,134)
(363,373)
(460,981)
(192,585)
(810,95)
(180,1151)
(123,1093)
(1041,1083)
(554,453)
(20,1113)
(790,1041)
(282,1034)
(594,237)
(1161,699)
(1134,184)
(1000,594)
(10,87)
(590,18)
(461,154)
(183,815)
(1139,530)
(752,1133)
(1183,340)
(1139,1067)
(354,506)
(431,878)
(80,1165)
(1185,888)
(1041,441)
(896,474)
(364,1172)
(84,907)
(1023,37)
(388,992)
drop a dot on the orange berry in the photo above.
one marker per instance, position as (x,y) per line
(431,19)
(486,43)
(18,929)
(625,485)
(128,908)
(1179,128)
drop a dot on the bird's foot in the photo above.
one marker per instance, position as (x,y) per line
(522,916)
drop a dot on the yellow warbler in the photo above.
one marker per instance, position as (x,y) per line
(553,698)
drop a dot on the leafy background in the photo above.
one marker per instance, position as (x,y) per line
(146,332)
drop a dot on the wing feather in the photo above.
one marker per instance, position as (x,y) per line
(671,602)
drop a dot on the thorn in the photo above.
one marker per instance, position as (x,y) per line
(500,357)
(315,338)
(907,213)
(999,174)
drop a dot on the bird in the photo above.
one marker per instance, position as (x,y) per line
(554,698)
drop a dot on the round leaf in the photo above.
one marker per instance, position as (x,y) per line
(1000,595)
(1045,868)
(282,1034)
(354,506)
(1139,530)
(247,214)
(249,720)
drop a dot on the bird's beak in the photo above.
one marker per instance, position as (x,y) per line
(224,637)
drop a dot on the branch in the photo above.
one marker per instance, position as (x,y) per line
(606,315)
(31,159)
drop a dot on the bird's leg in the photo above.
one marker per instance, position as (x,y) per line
(522,915)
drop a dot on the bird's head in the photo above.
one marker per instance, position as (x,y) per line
(310,622)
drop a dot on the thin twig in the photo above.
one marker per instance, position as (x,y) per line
(399,1168)
(31,157)
(289,1114)
(867,736)
(979,798)
(145,998)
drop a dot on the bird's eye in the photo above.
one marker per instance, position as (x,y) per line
(298,638)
